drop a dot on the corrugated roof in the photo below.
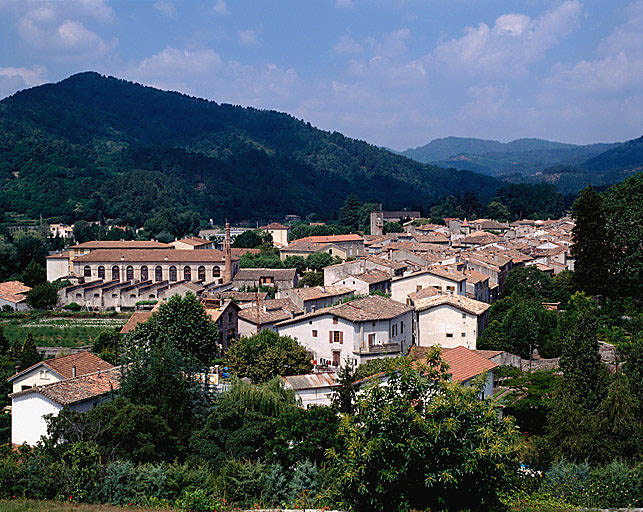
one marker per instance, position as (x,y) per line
(310,381)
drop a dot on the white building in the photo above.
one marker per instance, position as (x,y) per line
(449,321)
(441,279)
(355,331)
(30,406)
(313,388)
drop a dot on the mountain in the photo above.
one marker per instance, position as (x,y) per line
(93,146)
(515,159)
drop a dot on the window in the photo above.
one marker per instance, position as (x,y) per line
(201,273)
(418,288)
(172,273)
(335,337)
(144,273)
(230,317)
(87,271)
(394,330)
(187,274)
(464,334)
(158,273)
(449,335)
(129,273)
(371,339)
(314,333)
(335,321)
(266,280)
(116,273)
(336,357)
(101,272)
(401,327)
(216,272)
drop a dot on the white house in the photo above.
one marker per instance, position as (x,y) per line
(30,406)
(313,388)
(355,331)
(58,266)
(449,321)
(57,369)
(367,282)
(439,278)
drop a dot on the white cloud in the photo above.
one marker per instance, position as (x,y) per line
(166,8)
(13,79)
(391,44)
(344,4)
(514,42)
(347,45)
(220,7)
(248,37)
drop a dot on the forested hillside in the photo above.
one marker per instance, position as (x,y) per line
(92,147)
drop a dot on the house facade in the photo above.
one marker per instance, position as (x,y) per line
(441,279)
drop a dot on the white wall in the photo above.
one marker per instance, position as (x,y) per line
(249,329)
(36,377)
(57,268)
(401,288)
(27,421)
(434,324)
(317,396)
(18,306)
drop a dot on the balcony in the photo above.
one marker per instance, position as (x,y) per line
(386,348)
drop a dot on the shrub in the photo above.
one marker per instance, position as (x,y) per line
(242,482)
(199,500)
(72,306)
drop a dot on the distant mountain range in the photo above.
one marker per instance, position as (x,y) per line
(92,146)
(568,166)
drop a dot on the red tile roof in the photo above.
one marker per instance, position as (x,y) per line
(122,244)
(464,364)
(138,317)
(329,239)
(85,362)
(155,256)
(13,291)
(274,225)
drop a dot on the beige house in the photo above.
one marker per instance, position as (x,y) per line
(278,232)
(449,321)
(317,297)
(439,278)
(280,278)
(341,246)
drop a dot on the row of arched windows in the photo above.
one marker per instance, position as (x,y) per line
(158,273)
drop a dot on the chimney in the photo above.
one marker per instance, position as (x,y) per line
(73,371)
(227,270)
(265,308)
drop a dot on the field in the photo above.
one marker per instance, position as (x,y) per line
(55,506)
(56,331)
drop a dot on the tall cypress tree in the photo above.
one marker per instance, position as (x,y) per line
(591,248)
(29,354)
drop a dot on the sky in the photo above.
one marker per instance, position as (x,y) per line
(396,73)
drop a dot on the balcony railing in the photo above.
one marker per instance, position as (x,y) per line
(386,348)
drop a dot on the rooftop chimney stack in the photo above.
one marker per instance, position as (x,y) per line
(73,371)
(227,270)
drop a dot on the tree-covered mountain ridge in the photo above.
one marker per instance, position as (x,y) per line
(92,146)
(568,166)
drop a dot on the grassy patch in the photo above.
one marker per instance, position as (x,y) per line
(55,506)
(59,332)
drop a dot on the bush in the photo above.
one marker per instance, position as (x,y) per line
(199,501)
(72,306)
(242,483)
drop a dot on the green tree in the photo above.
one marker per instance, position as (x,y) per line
(42,296)
(349,213)
(34,274)
(591,249)
(84,231)
(312,278)
(252,239)
(418,443)
(297,262)
(29,354)
(393,227)
(165,237)
(498,211)
(529,282)
(344,395)
(267,355)
(318,260)
(183,322)
(4,342)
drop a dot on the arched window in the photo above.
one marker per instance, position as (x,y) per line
(144,273)
(116,273)
(201,273)
(158,273)
(216,272)
(187,274)
(101,272)
(87,271)
(129,273)
(172,273)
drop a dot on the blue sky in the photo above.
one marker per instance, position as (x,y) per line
(396,73)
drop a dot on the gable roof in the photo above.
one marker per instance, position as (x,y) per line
(274,225)
(464,364)
(215,312)
(254,274)
(85,362)
(320,292)
(138,317)
(270,311)
(474,307)
(368,309)
(78,389)
(194,241)
(13,291)
(373,276)
(330,239)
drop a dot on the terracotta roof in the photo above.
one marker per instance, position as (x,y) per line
(299,246)
(310,381)
(59,256)
(368,309)
(474,276)
(480,237)
(13,291)
(475,307)
(464,364)
(155,256)
(239,296)
(122,244)
(237,252)
(79,389)
(138,317)
(489,224)
(194,241)
(320,292)
(373,276)
(85,362)
(274,225)
(446,273)
(429,291)
(432,238)
(270,311)
(215,312)
(253,274)
(330,239)
(488,354)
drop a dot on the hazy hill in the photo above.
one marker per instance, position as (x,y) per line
(92,146)
(515,159)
